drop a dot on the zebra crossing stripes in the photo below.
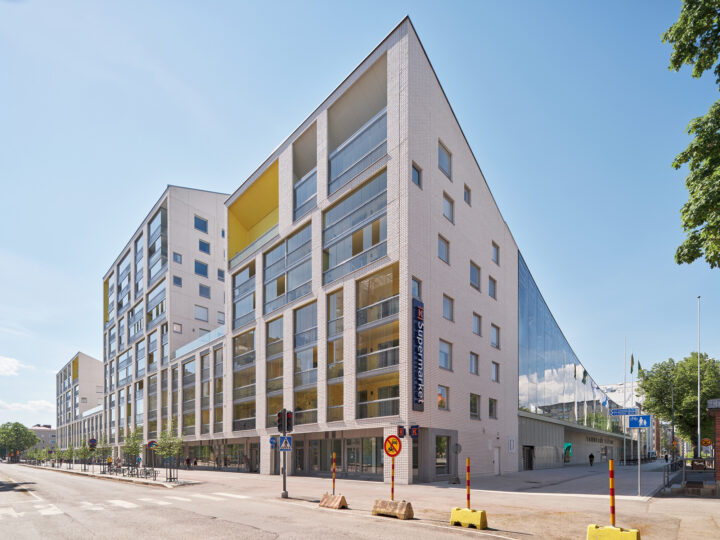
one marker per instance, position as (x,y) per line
(232,495)
(159,502)
(122,504)
(206,497)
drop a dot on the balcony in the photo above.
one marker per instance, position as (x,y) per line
(377,360)
(274,385)
(243,393)
(357,262)
(306,417)
(335,328)
(305,195)
(306,378)
(379,407)
(335,413)
(242,361)
(308,337)
(335,371)
(197,343)
(378,311)
(243,424)
(244,288)
(243,320)
(357,153)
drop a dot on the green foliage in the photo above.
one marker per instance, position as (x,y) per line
(695,38)
(15,437)
(169,444)
(655,386)
(83,452)
(103,448)
(69,453)
(133,441)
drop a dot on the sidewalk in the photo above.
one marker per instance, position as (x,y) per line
(118,478)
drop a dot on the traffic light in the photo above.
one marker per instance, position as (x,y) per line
(281,421)
(289,421)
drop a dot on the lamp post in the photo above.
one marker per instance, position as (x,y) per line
(697,447)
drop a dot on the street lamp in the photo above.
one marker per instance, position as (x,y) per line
(697,447)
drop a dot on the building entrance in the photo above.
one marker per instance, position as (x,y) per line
(528,454)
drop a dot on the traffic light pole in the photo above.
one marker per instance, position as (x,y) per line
(284,493)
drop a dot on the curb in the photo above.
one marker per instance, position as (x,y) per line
(113,478)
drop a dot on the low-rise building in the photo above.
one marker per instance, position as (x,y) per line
(79,387)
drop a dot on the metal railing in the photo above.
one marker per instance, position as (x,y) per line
(383,309)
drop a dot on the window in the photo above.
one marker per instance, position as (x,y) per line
(201,224)
(475,275)
(201,269)
(177,257)
(495,253)
(222,232)
(444,162)
(477,324)
(495,372)
(445,358)
(492,408)
(443,398)
(288,270)
(221,317)
(448,307)
(448,208)
(443,249)
(204,246)
(204,291)
(416,288)
(201,313)
(475,406)
(221,275)
(495,336)
(177,281)
(416,177)
(177,328)
(492,287)
(467,195)
(474,362)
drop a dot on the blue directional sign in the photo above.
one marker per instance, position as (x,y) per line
(273,443)
(286,444)
(623,412)
(639,421)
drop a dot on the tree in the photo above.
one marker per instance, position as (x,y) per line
(83,453)
(655,387)
(132,445)
(169,445)
(695,38)
(103,448)
(14,437)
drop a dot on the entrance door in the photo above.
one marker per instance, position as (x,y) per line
(496,461)
(254,457)
(528,464)
(353,455)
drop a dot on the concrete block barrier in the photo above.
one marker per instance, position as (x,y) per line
(336,502)
(611,533)
(467,517)
(398,509)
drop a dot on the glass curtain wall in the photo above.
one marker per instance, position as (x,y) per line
(274,377)
(244,381)
(335,356)
(218,397)
(305,379)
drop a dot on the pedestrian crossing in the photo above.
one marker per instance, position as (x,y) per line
(9,512)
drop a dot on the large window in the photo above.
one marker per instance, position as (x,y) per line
(244,296)
(305,378)
(355,230)
(443,249)
(443,397)
(304,192)
(201,313)
(445,357)
(288,270)
(244,381)
(335,355)
(444,160)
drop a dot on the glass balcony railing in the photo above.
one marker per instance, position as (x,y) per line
(305,378)
(335,413)
(244,288)
(357,262)
(273,349)
(379,407)
(306,417)
(335,371)
(362,149)
(304,194)
(244,392)
(273,385)
(243,423)
(379,310)
(307,337)
(378,360)
(242,320)
(243,360)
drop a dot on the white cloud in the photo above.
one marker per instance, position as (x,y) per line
(35,406)
(10,366)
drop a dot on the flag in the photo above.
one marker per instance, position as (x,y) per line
(585,374)
(575,371)
(632,363)
(604,402)
(639,368)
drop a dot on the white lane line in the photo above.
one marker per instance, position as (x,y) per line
(86,505)
(233,495)
(122,504)
(48,510)
(10,511)
(177,498)
(207,497)
(154,501)
(23,489)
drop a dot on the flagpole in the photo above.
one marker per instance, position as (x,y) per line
(632,396)
(625,402)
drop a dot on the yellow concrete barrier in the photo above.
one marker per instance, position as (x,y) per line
(468,518)
(398,509)
(611,533)
(337,502)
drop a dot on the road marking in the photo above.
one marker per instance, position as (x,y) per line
(122,504)
(233,495)
(86,505)
(10,511)
(24,489)
(207,497)
(177,498)
(154,501)
(48,509)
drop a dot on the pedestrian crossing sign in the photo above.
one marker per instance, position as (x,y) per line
(286,444)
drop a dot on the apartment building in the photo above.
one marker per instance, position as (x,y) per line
(47,436)
(166,288)
(79,388)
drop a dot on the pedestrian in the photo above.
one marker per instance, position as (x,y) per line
(195,463)
(666,458)
(187,462)
(139,461)
(592,459)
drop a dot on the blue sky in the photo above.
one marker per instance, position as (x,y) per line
(568,106)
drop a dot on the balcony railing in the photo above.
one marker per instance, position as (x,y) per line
(243,424)
(335,328)
(379,407)
(335,371)
(245,287)
(244,392)
(217,427)
(335,413)
(378,360)
(357,262)
(273,349)
(241,256)
(275,384)
(197,343)
(306,417)
(305,378)
(383,309)
(242,320)
(304,194)
(307,337)
(243,360)
(362,149)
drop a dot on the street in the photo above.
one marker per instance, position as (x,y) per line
(42,503)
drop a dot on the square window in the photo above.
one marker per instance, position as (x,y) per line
(204,291)
(204,246)
(448,305)
(444,160)
(495,253)
(443,397)
(477,324)
(201,313)
(495,372)
(492,408)
(443,249)
(221,317)
(492,287)
(467,195)
(416,176)
(475,275)
(416,288)
(177,281)
(201,269)
(445,358)
(448,208)
(474,363)
(221,275)
(177,258)
(495,336)
(474,406)
(177,328)
(201,224)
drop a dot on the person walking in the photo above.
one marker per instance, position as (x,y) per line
(187,462)
(195,463)
(592,459)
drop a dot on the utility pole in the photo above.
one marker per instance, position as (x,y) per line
(697,447)
(672,405)
(625,402)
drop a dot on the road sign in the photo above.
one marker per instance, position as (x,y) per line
(414,431)
(392,446)
(402,432)
(286,443)
(152,445)
(639,421)
(273,443)
(623,412)
(706,442)
(92,442)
